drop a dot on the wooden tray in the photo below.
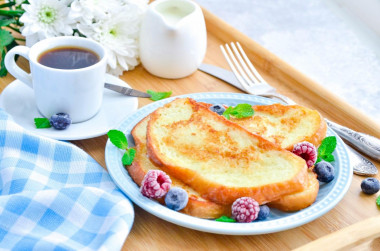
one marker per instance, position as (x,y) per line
(150,232)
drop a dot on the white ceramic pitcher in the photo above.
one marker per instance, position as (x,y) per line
(173,38)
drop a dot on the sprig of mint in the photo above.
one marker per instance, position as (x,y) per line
(42,123)
(326,149)
(225,219)
(119,139)
(155,96)
(239,111)
(378,201)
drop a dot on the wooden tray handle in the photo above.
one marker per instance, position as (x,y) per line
(347,237)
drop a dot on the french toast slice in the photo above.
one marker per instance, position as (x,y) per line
(299,200)
(219,159)
(196,206)
(285,125)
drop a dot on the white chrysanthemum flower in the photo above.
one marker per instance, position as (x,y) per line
(118,33)
(46,18)
(90,11)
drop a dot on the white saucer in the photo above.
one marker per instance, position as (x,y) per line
(17,99)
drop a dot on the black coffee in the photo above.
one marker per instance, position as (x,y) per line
(68,58)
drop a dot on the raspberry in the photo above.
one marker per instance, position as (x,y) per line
(307,151)
(155,184)
(245,209)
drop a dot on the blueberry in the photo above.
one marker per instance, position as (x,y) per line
(324,171)
(263,213)
(60,121)
(219,109)
(176,198)
(370,186)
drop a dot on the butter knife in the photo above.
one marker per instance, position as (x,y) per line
(364,143)
(127,91)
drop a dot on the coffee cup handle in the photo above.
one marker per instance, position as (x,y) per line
(14,69)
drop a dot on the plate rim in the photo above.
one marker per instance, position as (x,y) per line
(260,227)
(58,136)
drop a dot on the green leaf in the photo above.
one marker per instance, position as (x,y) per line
(5,38)
(225,219)
(6,22)
(326,149)
(118,138)
(243,111)
(128,156)
(158,95)
(239,111)
(378,201)
(3,70)
(227,112)
(42,123)
(327,146)
(328,158)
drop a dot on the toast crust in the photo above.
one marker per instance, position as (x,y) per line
(242,161)
(300,200)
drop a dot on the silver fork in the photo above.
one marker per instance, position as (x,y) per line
(253,83)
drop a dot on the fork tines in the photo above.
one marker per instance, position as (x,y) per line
(241,66)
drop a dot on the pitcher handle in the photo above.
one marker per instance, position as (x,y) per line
(14,69)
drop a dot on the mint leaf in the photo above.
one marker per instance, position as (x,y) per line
(225,219)
(239,111)
(158,95)
(243,111)
(118,138)
(378,201)
(327,146)
(326,149)
(42,123)
(128,156)
(227,112)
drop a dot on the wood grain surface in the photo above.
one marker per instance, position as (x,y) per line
(152,233)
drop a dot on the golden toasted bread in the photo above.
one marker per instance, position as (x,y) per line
(299,200)
(219,159)
(196,206)
(285,125)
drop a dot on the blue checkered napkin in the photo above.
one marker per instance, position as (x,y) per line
(54,196)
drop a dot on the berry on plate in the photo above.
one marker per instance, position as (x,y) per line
(307,151)
(245,209)
(176,199)
(155,184)
(370,186)
(219,109)
(263,213)
(324,171)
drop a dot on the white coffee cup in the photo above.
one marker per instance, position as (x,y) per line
(77,92)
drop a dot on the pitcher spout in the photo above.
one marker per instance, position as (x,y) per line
(172,12)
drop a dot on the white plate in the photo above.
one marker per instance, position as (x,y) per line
(17,99)
(329,194)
